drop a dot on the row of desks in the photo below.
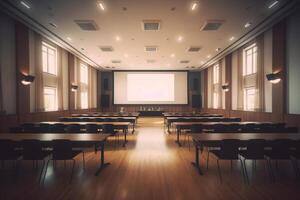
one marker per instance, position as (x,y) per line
(187,125)
(214,138)
(74,137)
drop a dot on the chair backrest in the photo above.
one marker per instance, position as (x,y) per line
(62,149)
(7,147)
(29,128)
(91,128)
(196,128)
(281,146)
(73,128)
(230,148)
(108,128)
(44,127)
(32,149)
(256,147)
(99,119)
(57,128)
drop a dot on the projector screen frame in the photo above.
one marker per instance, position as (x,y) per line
(113,88)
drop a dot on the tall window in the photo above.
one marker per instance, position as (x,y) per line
(249,98)
(250,60)
(49,59)
(216,85)
(84,85)
(249,69)
(50,98)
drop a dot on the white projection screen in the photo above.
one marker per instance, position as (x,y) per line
(152,87)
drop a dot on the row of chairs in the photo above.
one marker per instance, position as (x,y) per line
(62,128)
(244,128)
(93,119)
(33,150)
(256,149)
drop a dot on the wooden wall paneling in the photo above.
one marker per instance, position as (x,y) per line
(22,67)
(205,92)
(71,65)
(228,66)
(279,65)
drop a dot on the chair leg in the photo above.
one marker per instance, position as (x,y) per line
(219,170)
(246,173)
(243,171)
(189,143)
(46,171)
(83,160)
(295,167)
(207,158)
(268,166)
(231,165)
(41,174)
(72,171)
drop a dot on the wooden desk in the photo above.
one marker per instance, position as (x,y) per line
(75,137)
(172,120)
(204,138)
(132,120)
(121,125)
(187,125)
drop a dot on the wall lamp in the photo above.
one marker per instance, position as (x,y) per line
(27,79)
(225,88)
(74,88)
(274,77)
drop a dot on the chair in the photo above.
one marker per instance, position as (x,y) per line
(295,156)
(44,127)
(62,151)
(99,119)
(255,150)
(280,151)
(57,128)
(73,128)
(110,129)
(91,128)
(30,128)
(32,150)
(16,130)
(195,128)
(229,150)
(8,152)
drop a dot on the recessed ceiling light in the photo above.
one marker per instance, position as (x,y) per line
(53,25)
(126,55)
(273,4)
(118,38)
(232,38)
(101,5)
(168,65)
(172,55)
(248,24)
(25,4)
(180,38)
(70,39)
(194,5)
(208,56)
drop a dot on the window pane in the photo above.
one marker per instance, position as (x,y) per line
(83,73)
(84,100)
(249,99)
(250,60)
(50,99)
(49,59)
(215,100)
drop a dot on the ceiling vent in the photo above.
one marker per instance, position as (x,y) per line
(184,61)
(106,48)
(212,25)
(116,61)
(151,25)
(194,49)
(151,61)
(151,48)
(87,25)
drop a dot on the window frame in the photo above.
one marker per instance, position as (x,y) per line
(55,98)
(49,47)
(254,50)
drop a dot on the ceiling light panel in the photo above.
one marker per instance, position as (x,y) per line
(212,25)
(87,25)
(151,25)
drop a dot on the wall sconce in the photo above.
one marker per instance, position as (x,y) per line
(225,88)
(27,79)
(74,88)
(274,77)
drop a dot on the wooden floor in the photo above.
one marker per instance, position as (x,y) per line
(150,167)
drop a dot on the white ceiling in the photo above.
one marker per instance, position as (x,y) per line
(183,21)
